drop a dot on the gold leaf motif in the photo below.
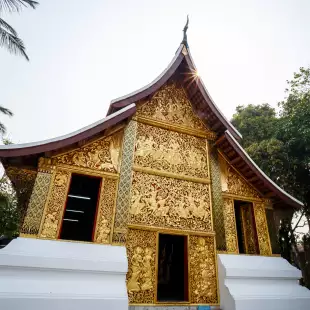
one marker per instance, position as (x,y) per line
(171,151)
(170,104)
(141,250)
(262,229)
(230,226)
(36,205)
(55,204)
(202,275)
(102,154)
(105,210)
(238,186)
(123,193)
(168,202)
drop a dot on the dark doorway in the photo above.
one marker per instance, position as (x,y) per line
(172,268)
(79,216)
(246,229)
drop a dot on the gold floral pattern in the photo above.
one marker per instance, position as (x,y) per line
(105,210)
(171,151)
(238,186)
(36,205)
(168,202)
(170,104)
(202,273)
(102,154)
(262,229)
(55,204)
(141,251)
(230,226)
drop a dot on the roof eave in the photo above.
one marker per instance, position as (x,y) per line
(290,200)
(15,150)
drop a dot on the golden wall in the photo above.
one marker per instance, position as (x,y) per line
(100,158)
(235,187)
(170,193)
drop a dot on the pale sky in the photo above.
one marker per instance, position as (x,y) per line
(83,54)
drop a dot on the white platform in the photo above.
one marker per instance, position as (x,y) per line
(260,283)
(49,275)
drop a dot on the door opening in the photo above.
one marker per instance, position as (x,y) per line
(79,216)
(172,278)
(246,229)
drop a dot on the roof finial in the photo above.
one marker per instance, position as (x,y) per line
(184,33)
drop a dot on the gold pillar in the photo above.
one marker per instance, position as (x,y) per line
(123,194)
(106,210)
(55,204)
(262,228)
(202,270)
(230,226)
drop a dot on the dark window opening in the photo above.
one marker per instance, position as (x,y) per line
(172,268)
(246,228)
(273,233)
(79,216)
(239,227)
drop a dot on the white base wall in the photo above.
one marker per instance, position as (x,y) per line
(49,275)
(258,282)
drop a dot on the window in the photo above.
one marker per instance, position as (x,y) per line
(79,216)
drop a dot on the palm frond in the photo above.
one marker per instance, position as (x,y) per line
(2,129)
(12,42)
(7,27)
(16,5)
(6,111)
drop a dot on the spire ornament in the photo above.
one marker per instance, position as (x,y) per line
(184,33)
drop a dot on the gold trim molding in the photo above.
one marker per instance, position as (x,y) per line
(87,171)
(210,135)
(243,198)
(170,174)
(171,231)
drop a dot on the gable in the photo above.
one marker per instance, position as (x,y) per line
(171,105)
(233,183)
(102,154)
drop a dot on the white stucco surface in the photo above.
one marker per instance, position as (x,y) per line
(49,275)
(258,282)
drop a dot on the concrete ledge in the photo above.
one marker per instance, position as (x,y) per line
(49,275)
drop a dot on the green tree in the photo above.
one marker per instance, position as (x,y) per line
(5,112)
(280,145)
(8,36)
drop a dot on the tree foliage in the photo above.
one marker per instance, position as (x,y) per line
(280,145)
(8,36)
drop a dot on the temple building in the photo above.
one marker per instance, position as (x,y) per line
(163,182)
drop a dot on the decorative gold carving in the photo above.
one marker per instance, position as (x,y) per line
(170,104)
(171,151)
(23,181)
(101,154)
(262,229)
(36,205)
(202,275)
(217,200)
(45,165)
(238,186)
(105,210)
(119,237)
(207,134)
(55,204)
(230,226)
(141,249)
(123,193)
(249,235)
(169,174)
(166,202)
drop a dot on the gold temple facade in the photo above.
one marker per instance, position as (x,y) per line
(163,170)
(156,177)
